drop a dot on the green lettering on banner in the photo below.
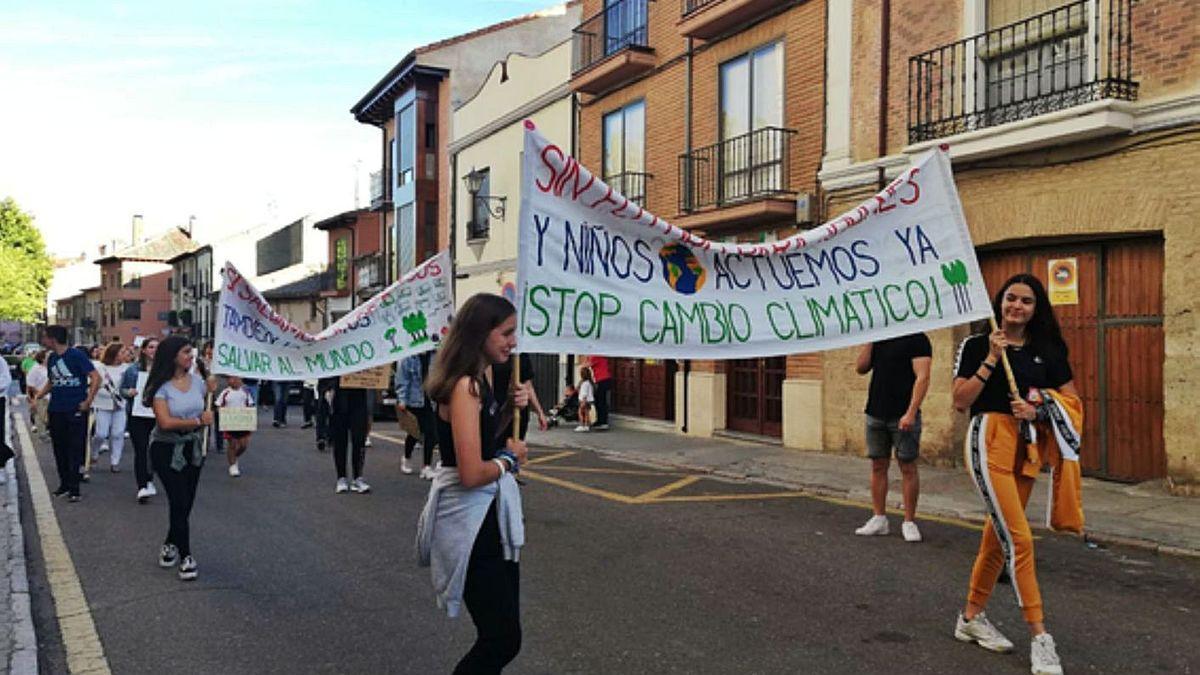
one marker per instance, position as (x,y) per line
(285,366)
(828,310)
(887,301)
(593,327)
(774,326)
(937,296)
(850,313)
(530,300)
(733,328)
(616,309)
(908,290)
(316,363)
(696,316)
(562,306)
(670,323)
(642,323)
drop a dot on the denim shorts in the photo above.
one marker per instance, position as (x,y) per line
(884,435)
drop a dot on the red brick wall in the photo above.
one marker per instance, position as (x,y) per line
(1166,46)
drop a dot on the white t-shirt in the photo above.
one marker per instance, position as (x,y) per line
(235,398)
(586,392)
(37,377)
(110,382)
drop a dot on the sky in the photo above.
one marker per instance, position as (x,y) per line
(235,112)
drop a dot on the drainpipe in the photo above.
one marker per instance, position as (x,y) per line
(885,44)
(454,218)
(687,149)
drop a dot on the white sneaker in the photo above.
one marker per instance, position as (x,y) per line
(188,569)
(1043,657)
(367,443)
(582,428)
(151,489)
(427,473)
(168,556)
(406,467)
(103,447)
(234,471)
(876,526)
(342,486)
(910,531)
(981,631)
(360,486)
(143,495)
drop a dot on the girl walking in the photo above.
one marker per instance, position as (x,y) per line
(235,396)
(141,420)
(176,444)
(471,531)
(109,406)
(587,397)
(1008,440)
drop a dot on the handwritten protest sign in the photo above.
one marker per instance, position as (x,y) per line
(379,377)
(239,419)
(409,317)
(598,274)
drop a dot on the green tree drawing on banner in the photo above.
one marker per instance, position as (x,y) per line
(25,269)
(955,274)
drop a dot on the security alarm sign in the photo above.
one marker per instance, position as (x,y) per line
(1064,281)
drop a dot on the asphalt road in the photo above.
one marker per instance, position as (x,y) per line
(702,578)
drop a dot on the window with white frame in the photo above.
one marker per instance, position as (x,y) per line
(625,151)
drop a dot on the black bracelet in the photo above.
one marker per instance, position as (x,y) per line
(989,366)
(981,378)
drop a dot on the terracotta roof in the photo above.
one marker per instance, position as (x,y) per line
(344,219)
(161,249)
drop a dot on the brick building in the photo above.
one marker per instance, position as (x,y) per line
(356,265)
(135,288)
(710,115)
(1073,129)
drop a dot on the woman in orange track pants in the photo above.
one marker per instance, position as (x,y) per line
(1004,456)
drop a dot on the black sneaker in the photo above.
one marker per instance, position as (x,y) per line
(60,492)
(320,445)
(188,569)
(275,424)
(168,556)
(306,425)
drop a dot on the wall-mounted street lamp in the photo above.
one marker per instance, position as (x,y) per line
(495,205)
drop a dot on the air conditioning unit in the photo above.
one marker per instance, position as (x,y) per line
(804,208)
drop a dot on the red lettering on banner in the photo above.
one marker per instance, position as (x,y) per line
(549,167)
(916,188)
(606,198)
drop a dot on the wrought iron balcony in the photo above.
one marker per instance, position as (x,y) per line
(380,194)
(1073,54)
(631,185)
(370,273)
(612,46)
(739,169)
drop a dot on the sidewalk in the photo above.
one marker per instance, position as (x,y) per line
(18,644)
(1144,516)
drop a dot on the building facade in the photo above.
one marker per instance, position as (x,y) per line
(356,264)
(709,115)
(135,297)
(1069,125)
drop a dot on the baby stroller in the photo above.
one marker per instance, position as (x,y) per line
(567,410)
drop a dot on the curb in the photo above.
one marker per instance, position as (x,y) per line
(817,490)
(24,657)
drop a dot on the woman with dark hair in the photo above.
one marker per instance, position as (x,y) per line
(471,531)
(141,420)
(177,396)
(1004,453)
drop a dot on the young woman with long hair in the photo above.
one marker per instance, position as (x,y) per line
(141,420)
(473,513)
(109,405)
(1003,459)
(177,396)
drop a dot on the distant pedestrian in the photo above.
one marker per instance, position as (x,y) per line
(321,413)
(35,382)
(1009,438)
(109,405)
(280,389)
(141,420)
(470,531)
(177,396)
(411,399)
(216,384)
(899,370)
(587,398)
(602,382)
(6,443)
(72,387)
(235,396)
(348,429)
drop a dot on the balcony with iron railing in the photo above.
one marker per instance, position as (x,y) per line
(631,185)
(744,179)
(1075,54)
(706,19)
(612,47)
(370,274)
(381,198)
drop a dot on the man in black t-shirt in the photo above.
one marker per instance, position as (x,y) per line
(899,370)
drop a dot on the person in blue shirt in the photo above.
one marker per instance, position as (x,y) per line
(73,384)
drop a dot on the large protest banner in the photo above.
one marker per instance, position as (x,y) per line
(409,317)
(598,274)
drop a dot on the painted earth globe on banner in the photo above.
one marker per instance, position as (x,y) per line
(682,271)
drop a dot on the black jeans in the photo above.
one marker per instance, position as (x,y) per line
(323,414)
(602,389)
(425,417)
(308,403)
(348,427)
(68,435)
(493,597)
(139,433)
(181,493)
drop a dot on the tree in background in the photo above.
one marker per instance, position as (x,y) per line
(25,269)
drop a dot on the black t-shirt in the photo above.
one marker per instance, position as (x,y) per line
(1033,367)
(892,376)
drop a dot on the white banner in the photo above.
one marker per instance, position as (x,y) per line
(597,274)
(409,317)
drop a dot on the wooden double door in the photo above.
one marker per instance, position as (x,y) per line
(1115,337)
(754,395)
(644,388)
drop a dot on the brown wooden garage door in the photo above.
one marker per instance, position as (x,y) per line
(1115,336)
(644,388)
